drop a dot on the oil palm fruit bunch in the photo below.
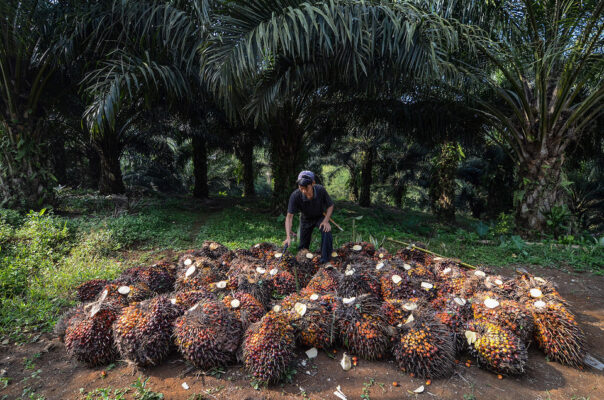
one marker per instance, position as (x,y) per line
(283,282)
(213,250)
(135,292)
(314,322)
(412,254)
(65,318)
(557,332)
(187,299)
(503,287)
(454,314)
(506,313)
(198,274)
(269,347)
(158,278)
(446,268)
(357,280)
(473,283)
(362,327)
(382,254)
(244,265)
(245,307)
(495,347)
(89,336)
(264,250)
(397,311)
(529,288)
(420,271)
(304,265)
(143,331)
(87,291)
(365,249)
(208,335)
(324,281)
(257,284)
(287,262)
(115,294)
(424,348)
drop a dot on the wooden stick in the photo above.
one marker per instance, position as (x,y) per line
(334,222)
(413,246)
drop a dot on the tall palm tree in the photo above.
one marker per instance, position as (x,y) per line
(548,86)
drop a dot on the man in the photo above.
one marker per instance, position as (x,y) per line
(316,207)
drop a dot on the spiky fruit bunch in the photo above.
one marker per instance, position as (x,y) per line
(264,250)
(503,287)
(473,283)
(557,332)
(509,314)
(362,327)
(269,347)
(65,319)
(454,314)
(256,284)
(314,321)
(198,275)
(143,331)
(357,280)
(420,272)
(382,254)
(111,294)
(208,335)
(411,253)
(244,266)
(530,288)
(213,250)
(445,269)
(87,291)
(495,348)
(304,265)
(283,282)
(365,249)
(396,311)
(187,299)
(425,348)
(158,278)
(325,280)
(89,337)
(245,307)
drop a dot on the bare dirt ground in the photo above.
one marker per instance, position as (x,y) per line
(52,375)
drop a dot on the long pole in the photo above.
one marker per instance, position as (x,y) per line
(413,246)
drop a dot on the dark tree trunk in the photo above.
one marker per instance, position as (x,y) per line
(366,177)
(399,193)
(25,178)
(200,168)
(442,185)
(110,149)
(286,154)
(542,177)
(59,158)
(353,183)
(94,167)
(245,152)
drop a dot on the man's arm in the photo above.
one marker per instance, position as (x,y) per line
(289,218)
(325,226)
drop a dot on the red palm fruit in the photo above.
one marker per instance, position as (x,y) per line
(509,314)
(495,347)
(362,327)
(65,318)
(87,291)
(89,336)
(187,299)
(446,269)
(245,307)
(557,332)
(425,348)
(264,250)
(143,331)
(269,347)
(358,280)
(208,335)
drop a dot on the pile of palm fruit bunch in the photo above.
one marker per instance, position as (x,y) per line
(260,306)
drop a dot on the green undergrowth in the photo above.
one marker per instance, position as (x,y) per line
(45,255)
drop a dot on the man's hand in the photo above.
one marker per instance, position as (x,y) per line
(287,241)
(325,226)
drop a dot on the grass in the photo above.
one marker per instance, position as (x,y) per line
(45,255)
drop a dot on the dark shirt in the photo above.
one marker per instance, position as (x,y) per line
(311,209)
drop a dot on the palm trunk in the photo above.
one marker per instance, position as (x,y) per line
(245,153)
(366,177)
(442,185)
(94,167)
(286,146)
(109,148)
(353,184)
(399,193)
(200,168)
(25,179)
(542,177)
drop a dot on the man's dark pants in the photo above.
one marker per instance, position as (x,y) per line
(306,228)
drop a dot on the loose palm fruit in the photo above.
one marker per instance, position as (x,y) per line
(557,332)
(208,335)
(506,313)
(143,331)
(425,348)
(496,348)
(268,347)
(87,291)
(245,307)
(89,337)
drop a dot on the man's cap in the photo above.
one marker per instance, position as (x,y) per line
(305,178)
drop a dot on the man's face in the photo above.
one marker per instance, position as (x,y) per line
(307,191)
